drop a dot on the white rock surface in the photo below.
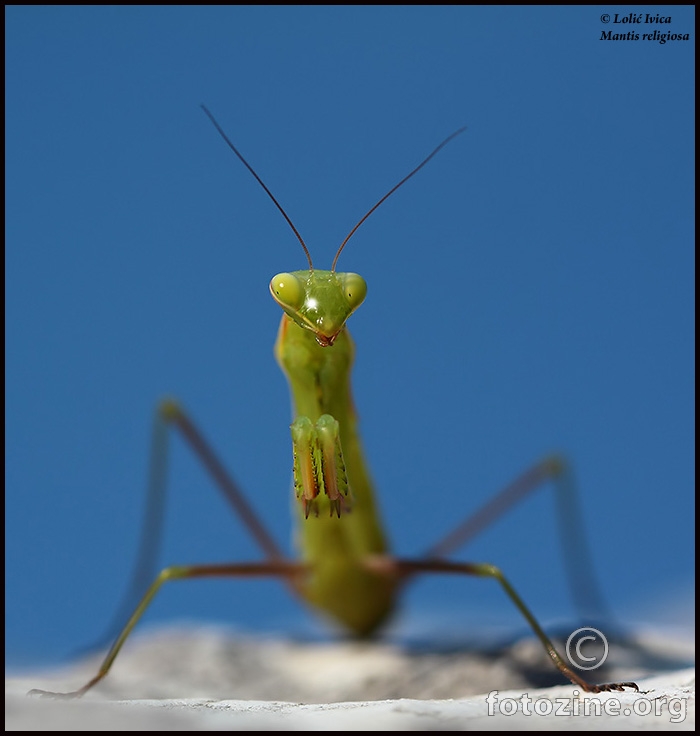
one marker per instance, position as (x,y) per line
(186,679)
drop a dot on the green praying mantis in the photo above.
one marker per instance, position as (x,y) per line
(345,568)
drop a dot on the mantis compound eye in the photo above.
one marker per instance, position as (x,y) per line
(288,290)
(355,288)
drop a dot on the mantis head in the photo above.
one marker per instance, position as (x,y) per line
(320,301)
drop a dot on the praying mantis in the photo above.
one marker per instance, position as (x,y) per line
(345,568)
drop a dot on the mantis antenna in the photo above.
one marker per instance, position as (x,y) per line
(284,214)
(391,191)
(262,184)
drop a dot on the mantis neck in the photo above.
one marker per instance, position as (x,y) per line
(319,379)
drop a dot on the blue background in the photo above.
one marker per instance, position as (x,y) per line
(531,290)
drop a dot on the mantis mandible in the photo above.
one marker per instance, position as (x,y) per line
(345,567)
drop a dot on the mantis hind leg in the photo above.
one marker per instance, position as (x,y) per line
(170,415)
(583,583)
(287,570)
(402,569)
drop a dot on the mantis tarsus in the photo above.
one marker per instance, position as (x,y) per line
(345,569)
